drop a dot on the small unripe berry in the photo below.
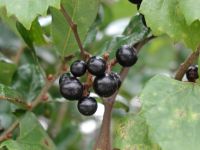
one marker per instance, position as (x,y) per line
(87,106)
(105,85)
(71,88)
(126,56)
(96,66)
(192,73)
(78,68)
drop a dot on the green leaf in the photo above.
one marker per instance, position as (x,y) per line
(8,39)
(171,110)
(32,136)
(6,120)
(82,13)
(11,95)
(24,34)
(133,33)
(190,10)
(132,132)
(34,35)
(27,11)
(28,81)
(7,71)
(167,17)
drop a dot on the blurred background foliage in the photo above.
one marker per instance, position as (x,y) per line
(19,67)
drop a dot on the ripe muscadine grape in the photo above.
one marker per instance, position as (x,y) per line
(78,68)
(126,56)
(87,106)
(63,77)
(192,73)
(105,85)
(96,66)
(71,88)
(117,78)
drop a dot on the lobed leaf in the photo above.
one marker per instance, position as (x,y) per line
(169,17)
(171,110)
(190,10)
(27,11)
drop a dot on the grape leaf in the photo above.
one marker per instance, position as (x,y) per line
(26,11)
(32,136)
(167,17)
(171,110)
(82,13)
(132,129)
(190,10)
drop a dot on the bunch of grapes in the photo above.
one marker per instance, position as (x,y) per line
(104,82)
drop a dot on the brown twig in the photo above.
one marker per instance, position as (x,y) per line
(73,26)
(104,139)
(184,66)
(15,101)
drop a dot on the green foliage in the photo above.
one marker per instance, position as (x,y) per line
(132,129)
(171,110)
(63,37)
(133,33)
(29,81)
(169,119)
(174,18)
(34,35)
(21,9)
(190,10)
(7,73)
(9,94)
(32,136)
(8,39)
